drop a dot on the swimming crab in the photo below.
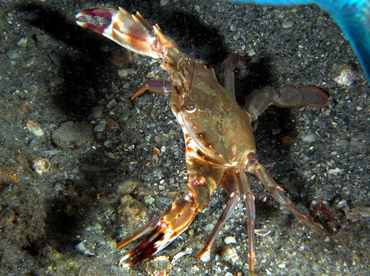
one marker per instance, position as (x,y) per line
(219,141)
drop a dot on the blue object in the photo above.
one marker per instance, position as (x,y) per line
(353,16)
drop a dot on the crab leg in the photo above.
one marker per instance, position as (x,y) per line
(139,233)
(236,182)
(250,211)
(277,192)
(229,182)
(229,66)
(230,207)
(154,86)
(285,96)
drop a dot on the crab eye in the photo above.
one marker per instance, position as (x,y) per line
(190,107)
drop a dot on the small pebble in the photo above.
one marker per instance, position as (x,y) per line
(111,104)
(262,232)
(127,186)
(181,254)
(251,52)
(230,240)
(309,138)
(155,159)
(97,112)
(287,24)
(237,36)
(22,42)
(12,54)
(335,171)
(164,2)
(148,200)
(126,72)
(100,126)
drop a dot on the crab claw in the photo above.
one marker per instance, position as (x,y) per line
(165,229)
(132,32)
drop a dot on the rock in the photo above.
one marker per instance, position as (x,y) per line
(71,134)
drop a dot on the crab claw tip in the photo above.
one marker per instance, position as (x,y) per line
(124,258)
(123,264)
(96,20)
(105,13)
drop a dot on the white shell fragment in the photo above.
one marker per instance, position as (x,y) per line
(41,165)
(229,253)
(181,254)
(81,248)
(346,76)
(262,232)
(35,128)
(335,171)
(206,257)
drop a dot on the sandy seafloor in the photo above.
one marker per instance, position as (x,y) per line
(104,179)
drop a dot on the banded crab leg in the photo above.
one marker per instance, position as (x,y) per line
(235,183)
(277,192)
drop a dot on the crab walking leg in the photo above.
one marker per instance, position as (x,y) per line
(231,186)
(229,66)
(236,182)
(250,211)
(154,86)
(285,96)
(226,213)
(277,192)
